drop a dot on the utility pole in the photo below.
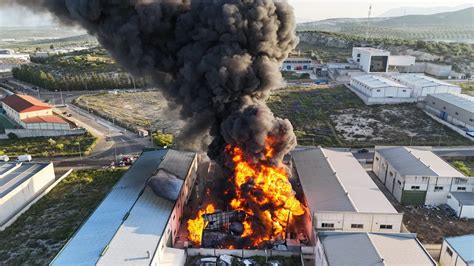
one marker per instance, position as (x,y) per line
(368,23)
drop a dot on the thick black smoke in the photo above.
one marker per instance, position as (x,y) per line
(217,60)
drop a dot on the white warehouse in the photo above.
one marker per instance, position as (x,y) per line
(340,193)
(20,184)
(371,59)
(379,90)
(457,251)
(462,203)
(423,85)
(418,177)
(297,63)
(457,109)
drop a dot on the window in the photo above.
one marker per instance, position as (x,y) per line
(399,182)
(391,174)
(358,226)
(386,226)
(358,55)
(461,188)
(404,90)
(174,217)
(456,113)
(449,251)
(415,187)
(378,90)
(376,158)
(438,188)
(327,225)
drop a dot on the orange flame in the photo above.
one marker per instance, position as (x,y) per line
(197,225)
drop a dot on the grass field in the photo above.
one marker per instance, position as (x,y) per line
(44,147)
(467,88)
(38,235)
(337,117)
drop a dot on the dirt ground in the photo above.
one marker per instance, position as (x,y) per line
(430,224)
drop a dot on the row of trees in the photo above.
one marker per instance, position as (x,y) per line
(91,81)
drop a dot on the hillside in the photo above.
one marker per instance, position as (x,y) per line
(456,18)
(404,11)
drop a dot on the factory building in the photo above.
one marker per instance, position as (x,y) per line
(343,248)
(20,184)
(370,59)
(31,113)
(341,195)
(457,109)
(457,251)
(297,63)
(379,90)
(423,85)
(418,177)
(138,220)
(462,203)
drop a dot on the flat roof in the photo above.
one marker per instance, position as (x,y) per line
(18,174)
(463,247)
(417,162)
(371,49)
(127,240)
(464,198)
(422,80)
(462,101)
(358,248)
(377,81)
(333,180)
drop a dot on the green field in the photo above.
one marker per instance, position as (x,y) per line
(39,234)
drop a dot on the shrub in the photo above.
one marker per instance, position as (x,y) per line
(162,140)
(12,135)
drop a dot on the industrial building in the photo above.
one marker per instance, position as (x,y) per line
(418,177)
(20,184)
(138,220)
(341,195)
(462,203)
(297,63)
(344,248)
(379,90)
(457,251)
(423,85)
(371,59)
(31,113)
(457,109)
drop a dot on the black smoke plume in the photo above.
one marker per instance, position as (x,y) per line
(216,60)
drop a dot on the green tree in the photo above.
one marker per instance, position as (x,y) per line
(162,140)
(60,147)
(52,142)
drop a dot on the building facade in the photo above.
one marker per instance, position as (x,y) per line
(423,85)
(21,183)
(297,63)
(371,60)
(418,177)
(378,90)
(457,251)
(340,194)
(457,109)
(462,203)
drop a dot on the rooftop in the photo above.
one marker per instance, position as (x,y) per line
(373,249)
(377,81)
(25,103)
(14,174)
(417,162)
(462,101)
(53,119)
(464,198)
(147,215)
(372,50)
(333,180)
(422,80)
(463,247)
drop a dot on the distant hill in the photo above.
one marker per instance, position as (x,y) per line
(455,18)
(405,11)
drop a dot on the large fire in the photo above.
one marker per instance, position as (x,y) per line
(263,191)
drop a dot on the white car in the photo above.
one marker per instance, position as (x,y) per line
(4,158)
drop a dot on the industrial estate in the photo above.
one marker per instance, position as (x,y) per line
(104,163)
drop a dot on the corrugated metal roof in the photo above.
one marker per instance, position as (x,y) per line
(53,119)
(412,161)
(464,198)
(140,234)
(85,247)
(333,180)
(5,167)
(25,103)
(178,162)
(463,245)
(376,82)
(19,175)
(422,80)
(462,101)
(343,248)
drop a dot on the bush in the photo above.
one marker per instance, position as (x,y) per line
(462,168)
(163,140)
(12,135)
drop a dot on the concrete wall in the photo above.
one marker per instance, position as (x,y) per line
(31,133)
(447,259)
(46,126)
(21,195)
(371,222)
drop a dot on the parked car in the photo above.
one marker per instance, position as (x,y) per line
(69,115)
(24,158)
(363,151)
(4,158)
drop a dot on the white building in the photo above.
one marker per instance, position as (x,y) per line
(371,59)
(416,177)
(20,184)
(423,85)
(297,63)
(379,90)
(457,109)
(462,203)
(138,220)
(457,251)
(377,249)
(341,195)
